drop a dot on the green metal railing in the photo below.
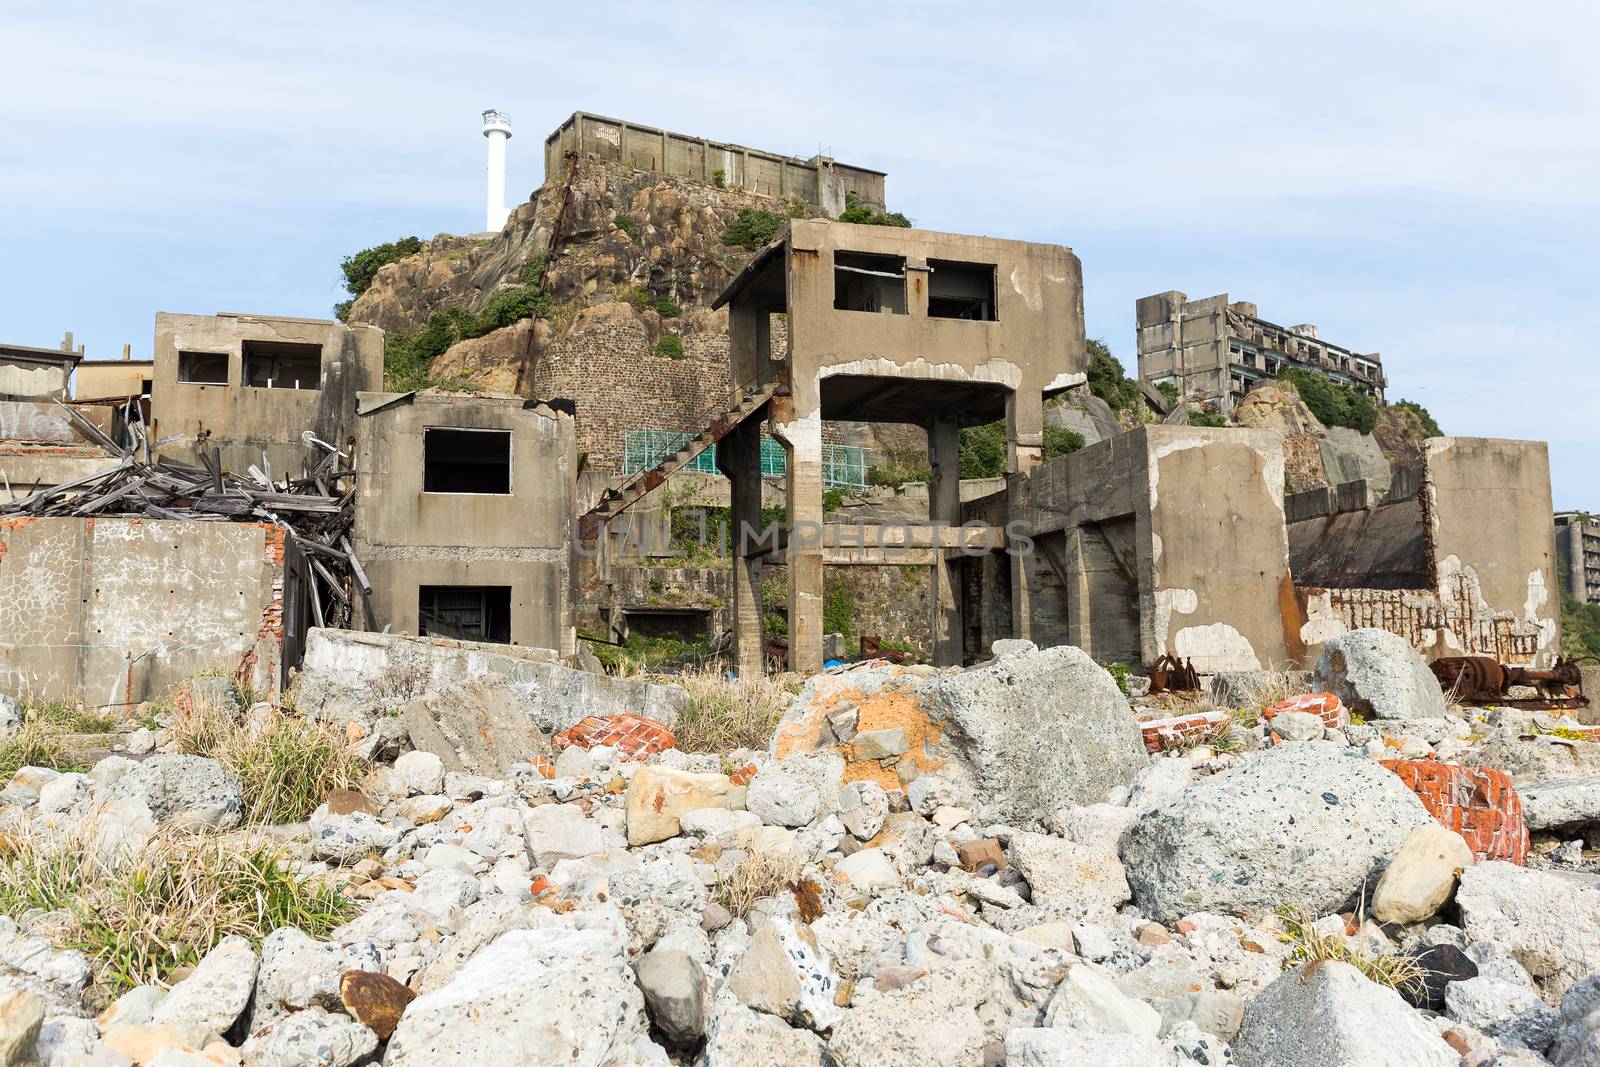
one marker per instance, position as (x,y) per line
(844,465)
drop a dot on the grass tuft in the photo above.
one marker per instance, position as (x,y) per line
(757,876)
(37,744)
(724,714)
(1307,945)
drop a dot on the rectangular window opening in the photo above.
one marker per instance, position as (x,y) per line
(866,282)
(282,365)
(203,368)
(465,612)
(961,290)
(466,461)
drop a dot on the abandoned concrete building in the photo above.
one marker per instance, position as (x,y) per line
(1578,543)
(101,378)
(1214,351)
(38,373)
(818,181)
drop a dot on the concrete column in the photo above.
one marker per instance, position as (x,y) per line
(802,439)
(1025,450)
(944,507)
(739,458)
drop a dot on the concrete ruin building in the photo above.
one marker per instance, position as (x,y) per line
(1214,351)
(1578,542)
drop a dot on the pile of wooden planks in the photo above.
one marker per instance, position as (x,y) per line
(316,510)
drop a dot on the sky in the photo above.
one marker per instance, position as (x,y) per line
(1419,179)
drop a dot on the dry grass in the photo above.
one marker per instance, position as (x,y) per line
(1307,945)
(141,917)
(286,765)
(760,875)
(1270,686)
(724,714)
(36,744)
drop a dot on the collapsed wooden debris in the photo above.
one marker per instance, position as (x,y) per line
(315,510)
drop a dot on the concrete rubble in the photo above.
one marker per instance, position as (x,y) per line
(1007,874)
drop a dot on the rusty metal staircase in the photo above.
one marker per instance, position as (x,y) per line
(743,404)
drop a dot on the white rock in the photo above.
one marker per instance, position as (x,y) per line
(1419,880)
(798,790)
(216,992)
(141,742)
(557,832)
(863,806)
(422,772)
(1501,1010)
(310,1038)
(1559,802)
(868,869)
(298,972)
(1078,1048)
(1298,726)
(63,793)
(1551,925)
(785,973)
(350,837)
(1328,1015)
(739,1037)
(1088,999)
(186,792)
(1070,877)
(1095,825)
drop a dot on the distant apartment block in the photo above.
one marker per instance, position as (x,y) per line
(1215,350)
(1578,548)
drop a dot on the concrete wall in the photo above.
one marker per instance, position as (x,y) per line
(102,378)
(115,611)
(35,372)
(818,180)
(243,421)
(407,538)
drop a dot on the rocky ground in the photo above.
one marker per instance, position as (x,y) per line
(1008,864)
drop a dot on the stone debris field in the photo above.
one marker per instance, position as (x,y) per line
(1013,863)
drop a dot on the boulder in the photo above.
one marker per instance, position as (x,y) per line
(184,792)
(375,1000)
(557,832)
(739,1037)
(1546,805)
(1297,726)
(784,972)
(344,839)
(1577,1039)
(216,992)
(862,808)
(422,772)
(1088,999)
(797,791)
(1379,675)
(478,725)
(552,995)
(1302,826)
(1326,1014)
(1080,879)
(868,869)
(1551,925)
(675,991)
(1419,879)
(1079,1048)
(1348,455)
(1276,405)
(929,1021)
(299,972)
(1214,1011)
(1507,1011)
(21,1017)
(657,796)
(310,1038)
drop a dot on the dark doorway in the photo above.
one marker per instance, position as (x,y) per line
(466,612)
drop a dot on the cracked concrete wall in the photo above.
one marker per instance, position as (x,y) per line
(243,422)
(407,538)
(115,611)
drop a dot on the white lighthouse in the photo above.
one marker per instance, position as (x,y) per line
(497,128)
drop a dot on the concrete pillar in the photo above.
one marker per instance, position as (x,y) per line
(1025,450)
(739,458)
(802,439)
(944,508)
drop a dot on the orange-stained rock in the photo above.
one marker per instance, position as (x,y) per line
(374,1000)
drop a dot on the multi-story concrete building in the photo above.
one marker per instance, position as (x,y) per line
(1216,350)
(1578,545)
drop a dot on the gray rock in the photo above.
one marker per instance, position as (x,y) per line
(1328,1015)
(881,744)
(1378,674)
(739,1037)
(1550,925)
(555,995)
(675,992)
(10,716)
(863,806)
(350,837)
(35,956)
(185,792)
(1577,1039)
(1081,880)
(67,1041)
(1349,455)
(298,972)
(1561,802)
(216,992)
(1082,1048)
(557,832)
(1215,1011)
(797,791)
(1302,826)
(1298,726)
(1035,731)
(1502,1010)
(784,972)
(1088,999)
(64,793)
(310,1038)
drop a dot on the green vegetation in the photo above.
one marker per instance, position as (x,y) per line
(1307,945)
(855,211)
(626,223)
(797,207)
(983,448)
(666,307)
(361,268)
(1429,426)
(408,357)
(1108,381)
(719,178)
(1168,390)
(896,473)
(838,606)
(1120,673)
(1580,627)
(645,653)
(752,228)
(1332,403)
(1207,417)
(670,346)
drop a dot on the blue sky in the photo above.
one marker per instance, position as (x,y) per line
(1418,179)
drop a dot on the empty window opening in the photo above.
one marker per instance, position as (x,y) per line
(865,282)
(689,625)
(203,368)
(961,290)
(466,461)
(282,365)
(465,612)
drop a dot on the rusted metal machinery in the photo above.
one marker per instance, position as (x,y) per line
(1485,680)
(1167,675)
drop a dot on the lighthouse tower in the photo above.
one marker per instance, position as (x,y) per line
(497,128)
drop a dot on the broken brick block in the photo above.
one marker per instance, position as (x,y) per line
(983,852)
(744,775)
(1326,706)
(1179,731)
(630,735)
(1478,803)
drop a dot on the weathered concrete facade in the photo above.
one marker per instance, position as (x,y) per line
(464,511)
(116,611)
(818,181)
(248,384)
(1578,545)
(43,373)
(1178,541)
(109,378)
(1215,350)
(929,329)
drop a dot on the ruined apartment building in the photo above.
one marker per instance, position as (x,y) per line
(250,386)
(1176,540)
(1215,351)
(819,181)
(1578,543)
(931,330)
(464,509)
